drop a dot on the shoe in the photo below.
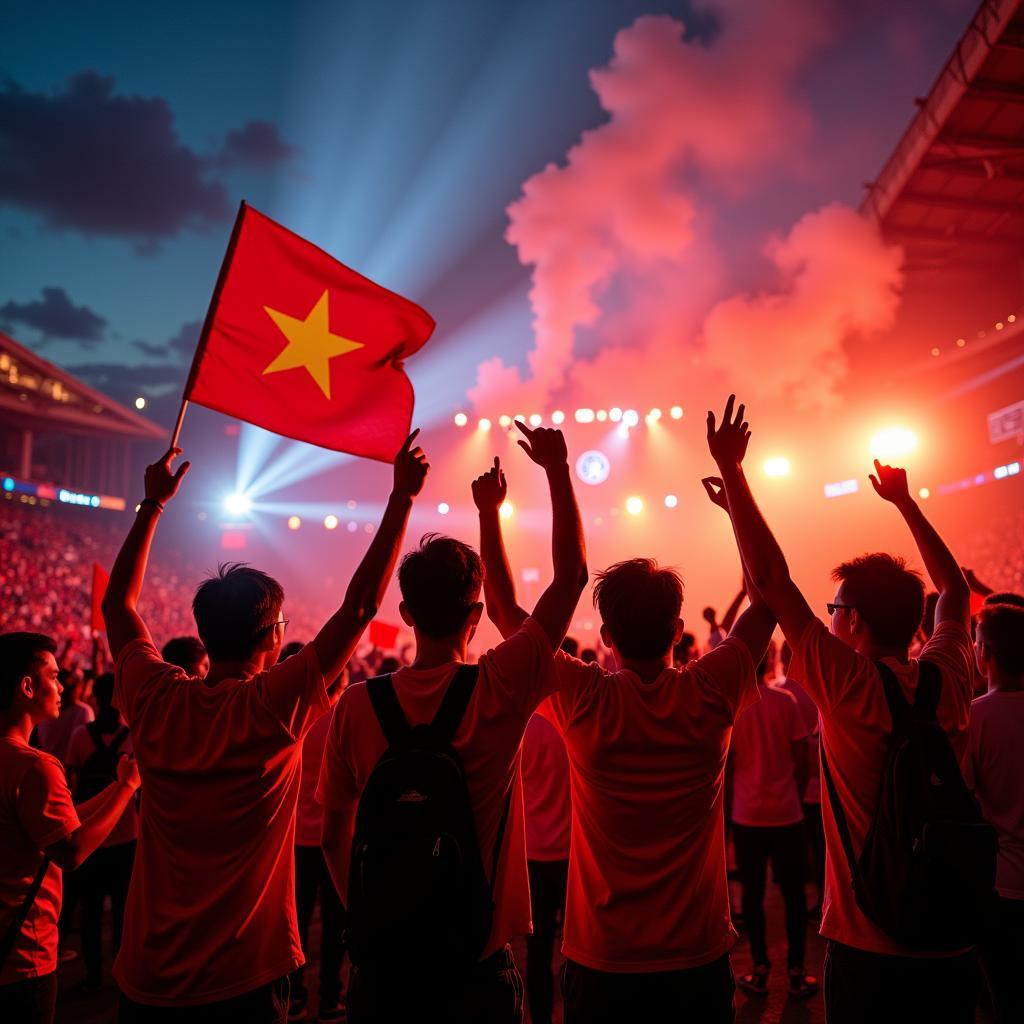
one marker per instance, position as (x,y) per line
(333,1013)
(756,982)
(801,984)
(298,1008)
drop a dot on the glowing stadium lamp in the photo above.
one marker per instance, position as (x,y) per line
(237,504)
(630,418)
(444,508)
(461,419)
(615,414)
(676,412)
(893,442)
(507,510)
(140,403)
(924,493)
(584,415)
(558,417)
(484,424)
(536,419)
(671,501)
(294,522)
(593,467)
(330,522)
(602,415)
(634,505)
(520,416)
(776,467)
(653,416)
(505,421)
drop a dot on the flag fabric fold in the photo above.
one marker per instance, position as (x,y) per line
(301,345)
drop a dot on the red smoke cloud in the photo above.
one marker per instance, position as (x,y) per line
(630,208)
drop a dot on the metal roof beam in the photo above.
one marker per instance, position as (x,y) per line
(997,92)
(964,203)
(910,234)
(979,145)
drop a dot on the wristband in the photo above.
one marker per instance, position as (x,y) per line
(151,501)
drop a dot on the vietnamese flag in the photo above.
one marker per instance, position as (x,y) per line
(299,344)
(100,579)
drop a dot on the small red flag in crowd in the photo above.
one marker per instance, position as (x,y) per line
(299,344)
(100,579)
(383,635)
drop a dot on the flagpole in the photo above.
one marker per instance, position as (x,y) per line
(204,334)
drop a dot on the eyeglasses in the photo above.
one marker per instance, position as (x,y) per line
(283,623)
(832,607)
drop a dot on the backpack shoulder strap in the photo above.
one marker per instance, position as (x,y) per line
(388,710)
(840,815)
(899,708)
(929,689)
(455,701)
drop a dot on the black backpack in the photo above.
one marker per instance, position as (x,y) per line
(418,894)
(100,767)
(926,874)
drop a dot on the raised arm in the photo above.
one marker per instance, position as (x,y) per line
(954,604)
(763,559)
(554,609)
(503,610)
(336,642)
(120,602)
(98,817)
(733,610)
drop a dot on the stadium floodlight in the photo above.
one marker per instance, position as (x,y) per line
(671,501)
(634,505)
(294,522)
(484,424)
(776,467)
(461,419)
(653,416)
(630,418)
(558,417)
(893,442)
(536,419)
(444,508)
(507,510)
(330,522)
(584,415)
(505,421)
(237,504)
(615,414)
(924,492)
(676,412)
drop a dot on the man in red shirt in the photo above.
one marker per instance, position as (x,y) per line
(41,831)
(647,927)
(875,615)
(440,584)
(210,922)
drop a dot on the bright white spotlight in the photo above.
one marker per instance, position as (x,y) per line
(893,442)
(634,505)
(676,412)
(924,493)
(593,467)
(505,421)
(536,419)
(461,419)
(776,467)
(444,508)
(602,415)
(330,522)
(671,501)
(484,424)
(140,402)
(294,522)
(584,415)
(507,510)
(654,415)
(237,504)
(630,418)
(558,417)
(615,414)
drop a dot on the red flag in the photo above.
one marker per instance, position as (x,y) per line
(100,579)
(383,634)
(299,344)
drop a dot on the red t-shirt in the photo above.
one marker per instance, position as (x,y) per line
(514,678)
(547,803)
(764,790)
(647,883)
(211,907)
(809,714)
(309,814)
(855,727)
(35,812)
(80,749)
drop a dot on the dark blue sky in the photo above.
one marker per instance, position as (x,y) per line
(392,134)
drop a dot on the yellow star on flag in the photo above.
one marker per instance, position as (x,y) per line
(310,344)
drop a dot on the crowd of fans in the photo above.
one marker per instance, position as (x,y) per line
(640,763)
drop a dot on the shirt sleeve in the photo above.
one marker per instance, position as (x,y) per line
(138,673)
(951,649)
(727,676)
(825,666)
(338,787)
(294,692)
(797,727)
(44,805)
(520,668)
(570,678)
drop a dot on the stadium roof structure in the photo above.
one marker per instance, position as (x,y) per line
(953,190)
(38,396)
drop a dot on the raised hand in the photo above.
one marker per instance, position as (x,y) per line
(890,483)
(716,491)
(161,483)
(728,443)
(411,468)
(489,490)
(545,445)
(128,771)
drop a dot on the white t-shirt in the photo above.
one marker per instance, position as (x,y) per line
(764,790)
(994,768)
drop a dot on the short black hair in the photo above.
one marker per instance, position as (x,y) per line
(103,689)
(1001,629)
(888,596)
(20,653)
(183,651)
(571,646)
(234,608)
(440,581)
(1005,597)
(639,602)
(588,655)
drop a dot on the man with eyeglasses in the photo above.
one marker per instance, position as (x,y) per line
(210,926)
(875,615)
